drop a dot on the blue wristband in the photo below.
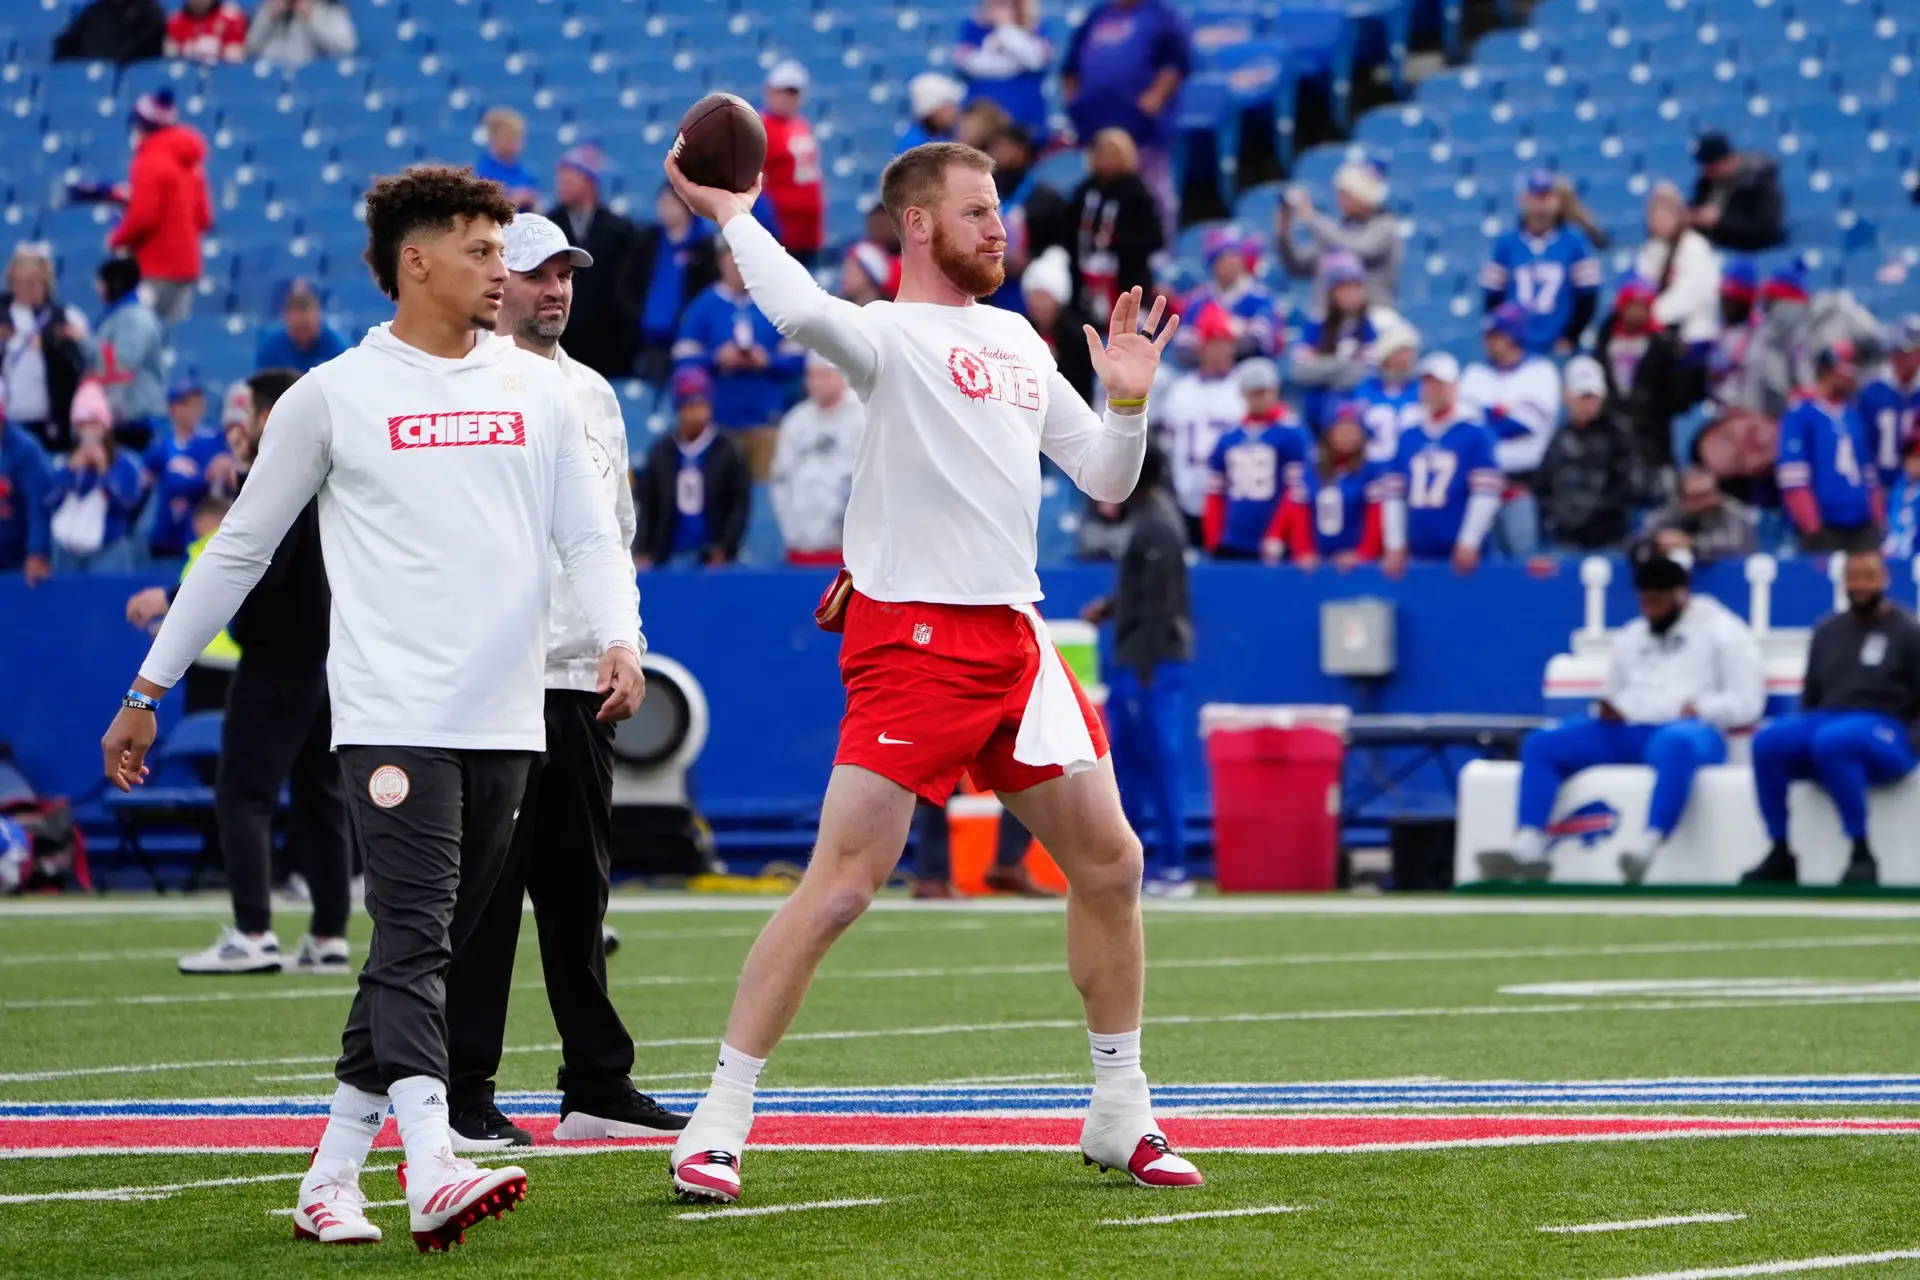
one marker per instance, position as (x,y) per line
(134,700)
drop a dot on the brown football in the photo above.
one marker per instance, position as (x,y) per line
(721,143)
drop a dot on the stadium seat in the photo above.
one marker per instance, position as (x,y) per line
(177,798)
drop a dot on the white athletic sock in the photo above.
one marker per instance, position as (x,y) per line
(353,1122)
(737,1070)
(1115,1057)
(420,1107)
(1530,845)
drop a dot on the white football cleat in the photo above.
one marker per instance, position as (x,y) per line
(1120,1133)
(332,1210)
(706,1159)
(456,1196)
(235,952)
(329,958)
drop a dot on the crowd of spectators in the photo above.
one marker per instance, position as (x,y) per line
(1693,401)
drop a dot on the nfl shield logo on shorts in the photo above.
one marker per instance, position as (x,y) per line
(923,633)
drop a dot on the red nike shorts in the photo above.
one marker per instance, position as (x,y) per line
(935,691)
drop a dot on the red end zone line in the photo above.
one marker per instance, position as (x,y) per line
(897,1132)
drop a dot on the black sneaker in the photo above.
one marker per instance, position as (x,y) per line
(486,1128)
(1861,870)
(631,1114)
(609,940)
(1777,868)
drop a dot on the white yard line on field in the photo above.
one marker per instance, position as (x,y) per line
(1785,1267)
(1159,1219)
(371,1204)
(92,957)
(160,1192)
(1336,905)
(1439,955)
(1641,1224)
(761,1210)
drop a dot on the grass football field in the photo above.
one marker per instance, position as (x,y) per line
(1374,1087)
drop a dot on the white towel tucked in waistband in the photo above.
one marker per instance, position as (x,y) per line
(1052,730)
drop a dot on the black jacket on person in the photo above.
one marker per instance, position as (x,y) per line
(1866,664)
(283,623)
(1070,354)
(1585,485)
(1115,227)
(66,359)
(1753,210)
(729,494)
(120,31)
(1152,614)
(604,330)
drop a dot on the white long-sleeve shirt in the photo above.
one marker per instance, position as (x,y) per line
(1691,302)
(813,472)
(573,650)
(961,402)
(441,485)
(1529,394)
(1708,660)
(1191,418)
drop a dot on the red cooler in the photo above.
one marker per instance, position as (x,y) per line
(1276,796)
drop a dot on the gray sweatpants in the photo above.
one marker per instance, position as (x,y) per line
(433,827)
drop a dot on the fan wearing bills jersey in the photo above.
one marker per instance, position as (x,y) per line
(1890,404)
(1442,490)
(1256,470)
(947,666)
(1827,479)
(446,461)
(1338,515)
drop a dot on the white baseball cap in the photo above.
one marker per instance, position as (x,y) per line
(1585,377)
(789,74)
(532,239)
(1439,366)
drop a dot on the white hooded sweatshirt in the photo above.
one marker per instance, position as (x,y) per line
(441,485)
(1708,660)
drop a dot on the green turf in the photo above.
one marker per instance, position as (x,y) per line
(1232,997)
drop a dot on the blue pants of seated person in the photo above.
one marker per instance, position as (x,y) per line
(1846,751)
(1675,751)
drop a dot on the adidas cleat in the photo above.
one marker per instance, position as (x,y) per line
(333,1210)
(459,1196)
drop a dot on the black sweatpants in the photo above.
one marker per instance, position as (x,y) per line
(276,731)
(934,860)
(559,859)
(433,827)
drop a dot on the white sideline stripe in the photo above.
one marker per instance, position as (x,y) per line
(1335,905)
(760,1210)
(1159,1219)
(1642,1224)
(371,1204)
(93,957)
(1055,967)
(160,1192)
(1831,1263)
(1056,1024)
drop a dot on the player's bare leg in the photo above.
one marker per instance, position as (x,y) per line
(1079,821)
(863,829)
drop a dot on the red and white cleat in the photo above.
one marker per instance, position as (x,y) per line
(459,1195)
(1120,1134)
(332,1210)
(708,1175)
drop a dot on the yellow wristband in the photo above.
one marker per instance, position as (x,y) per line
(1125,404)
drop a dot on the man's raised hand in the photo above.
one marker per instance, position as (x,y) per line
(1126,364)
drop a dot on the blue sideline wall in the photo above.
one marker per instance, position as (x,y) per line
(1474,644)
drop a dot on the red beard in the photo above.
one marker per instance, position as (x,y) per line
(972,274)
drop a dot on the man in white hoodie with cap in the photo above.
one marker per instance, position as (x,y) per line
(948,667)
(446,462)
(1681,675)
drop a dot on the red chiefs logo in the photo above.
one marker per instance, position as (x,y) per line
(451,430)
(994,375)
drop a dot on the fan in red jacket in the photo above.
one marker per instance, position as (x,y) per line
(168,205)
(792,172)
(208,31)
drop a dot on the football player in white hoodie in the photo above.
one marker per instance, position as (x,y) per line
(1682,674)
(446,461)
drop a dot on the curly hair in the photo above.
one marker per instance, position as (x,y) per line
(424,197)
